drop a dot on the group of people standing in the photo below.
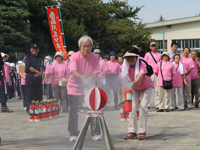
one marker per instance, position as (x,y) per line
(67,79)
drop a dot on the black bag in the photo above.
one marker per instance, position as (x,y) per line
(148,67)
(166,84)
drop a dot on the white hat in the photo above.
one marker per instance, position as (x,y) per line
(166,54)
(127,54)
(20,62)
(3,54)
(153,43)
(49,58)
(12,65)
(58,54)
(97,51)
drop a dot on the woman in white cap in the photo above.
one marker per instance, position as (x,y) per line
(178,80)
(59,77)
(47,77)
(135,70)
(7,81)
(165,71)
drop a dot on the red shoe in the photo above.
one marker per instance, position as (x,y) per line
(130,136)
(142,136)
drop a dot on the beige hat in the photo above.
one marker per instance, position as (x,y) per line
(136,47)
(58,54)
(127,54)
(165,53)
(3,55)
(70,53)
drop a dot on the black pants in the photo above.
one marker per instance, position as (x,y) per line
(33,89)
(49,91)
(11,91)
(74,102)
(23,94)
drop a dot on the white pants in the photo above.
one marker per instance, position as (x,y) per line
(132,125)
(187,95)
(154,79)
(164,97)
(180,98)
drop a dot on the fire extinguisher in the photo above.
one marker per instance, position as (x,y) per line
(41,110)
(48,108)
(37,112)
(44,110)
(58,108)
(128,100)
(122,113)
(32,112)
(55,106)
(138,113)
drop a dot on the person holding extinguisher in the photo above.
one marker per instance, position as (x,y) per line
(140,84)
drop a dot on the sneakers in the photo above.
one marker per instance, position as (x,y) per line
(97,138)
(142,136)
(73,138)
(130,136)
(160,110)
(166,110)
(196,105)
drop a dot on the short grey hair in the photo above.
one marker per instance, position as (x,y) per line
(85,38)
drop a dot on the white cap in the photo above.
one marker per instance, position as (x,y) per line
(97,51)
(49,58)
(20,62)
(12,65)
(59,54)
(7,63)
(153,43)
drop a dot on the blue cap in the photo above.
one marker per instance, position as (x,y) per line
(112,53)
(35,46)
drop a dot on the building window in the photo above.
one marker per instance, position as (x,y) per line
(160,46)
(193,44)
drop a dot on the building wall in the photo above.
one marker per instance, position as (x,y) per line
(190,30)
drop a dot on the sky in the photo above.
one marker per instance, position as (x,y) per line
(169,9)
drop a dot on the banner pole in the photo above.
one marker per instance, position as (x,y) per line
(62,28)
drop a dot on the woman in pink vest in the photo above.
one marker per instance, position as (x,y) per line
(167,69)
(141,84)
(178,80)
(59,77)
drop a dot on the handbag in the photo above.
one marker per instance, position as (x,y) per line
(166,84)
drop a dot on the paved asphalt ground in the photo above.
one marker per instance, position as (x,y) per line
(178,130)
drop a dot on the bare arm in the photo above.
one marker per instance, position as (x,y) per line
(67,76)
(172,75)
(156,74)
(184,80)
(137,80)
(23,77)
(52,77)
(45,77)
(33,70)
(104,75)
(2,67)
(188,71)
(76,74)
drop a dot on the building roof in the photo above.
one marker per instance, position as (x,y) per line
(174,21)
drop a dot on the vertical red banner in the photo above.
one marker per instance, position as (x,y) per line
(55,29)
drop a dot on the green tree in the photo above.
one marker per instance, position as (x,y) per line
(113,25)
(40,26)
(14,29)
(161,19)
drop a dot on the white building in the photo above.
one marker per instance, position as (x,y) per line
(185,31)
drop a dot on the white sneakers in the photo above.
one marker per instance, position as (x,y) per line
(97,138)
(73,138)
